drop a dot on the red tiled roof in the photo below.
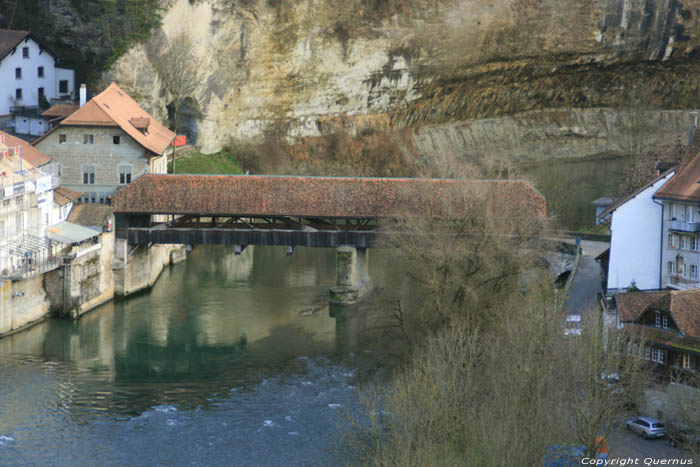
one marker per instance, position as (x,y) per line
(9,39)
(90,214)
(623,200)
(685,185)
(29,153)
(313,196)
(63,195)
(665,338)
(631,305)
(60,110)
(683,305)
(114,107)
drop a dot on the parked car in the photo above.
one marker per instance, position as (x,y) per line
(646,427)
(572,327)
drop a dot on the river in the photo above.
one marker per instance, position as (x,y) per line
(228,360)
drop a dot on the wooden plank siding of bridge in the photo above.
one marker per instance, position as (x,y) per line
(294,211)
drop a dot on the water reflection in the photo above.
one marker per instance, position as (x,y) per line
(215,322)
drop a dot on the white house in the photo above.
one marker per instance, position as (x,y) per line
(28,72)
(636,238)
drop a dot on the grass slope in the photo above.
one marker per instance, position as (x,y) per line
(194,162)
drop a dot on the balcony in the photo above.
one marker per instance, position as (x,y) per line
(679,282)
(681,226)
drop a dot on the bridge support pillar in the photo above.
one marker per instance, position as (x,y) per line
(352,275)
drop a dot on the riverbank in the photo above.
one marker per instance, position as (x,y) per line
(89,275)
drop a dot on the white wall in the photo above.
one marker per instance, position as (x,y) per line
(68,75)
(635,244)
(30,82)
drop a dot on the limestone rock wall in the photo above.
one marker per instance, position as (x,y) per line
(296,68)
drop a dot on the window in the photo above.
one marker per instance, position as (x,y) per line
(116,139)
(88,139)
(124,174)
(18,94)
(684,242)
(61,139)
(25,52)
(674,211)
(40,91)
(672,241)
(664,323)
(18,73)
(93,197)
(657,319)
(694,243)
(657,355)
(647,352)
(693,271)
(63,86)
(689,214)
(687,362)
(88,174)
(671,267)
(40,72)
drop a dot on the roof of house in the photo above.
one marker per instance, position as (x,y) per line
(314,196)
(685,185)
(631,305)
(623,200)
(29,153)
(10,38)
(69,233)
(63,195)
(683,305)
(664,338)
(60,110)
(603,202)
(90,214)
(114,107)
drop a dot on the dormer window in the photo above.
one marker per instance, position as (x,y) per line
(141,123)
(657,319)
(664,321)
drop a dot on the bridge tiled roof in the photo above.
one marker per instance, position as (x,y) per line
(248,195)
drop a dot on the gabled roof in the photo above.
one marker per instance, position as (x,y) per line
(10,38)
(634,194)
(682,305)
(631,305)
(63,195)
(29,153)
(114,107)
(685,185)
(90,214)
(316,196)
(60,110)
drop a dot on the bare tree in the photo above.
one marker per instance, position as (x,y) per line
(178,68)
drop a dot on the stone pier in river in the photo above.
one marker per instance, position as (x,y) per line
(353,281)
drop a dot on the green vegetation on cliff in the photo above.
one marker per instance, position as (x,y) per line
(89,35)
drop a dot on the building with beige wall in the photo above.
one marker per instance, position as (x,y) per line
(106,144)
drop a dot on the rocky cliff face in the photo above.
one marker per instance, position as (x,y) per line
(311,68)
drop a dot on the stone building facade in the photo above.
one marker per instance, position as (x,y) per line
(106,144)
(97,161)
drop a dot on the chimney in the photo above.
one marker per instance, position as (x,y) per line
(83,94)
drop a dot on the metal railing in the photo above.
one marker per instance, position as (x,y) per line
(682,226)
(683,281)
